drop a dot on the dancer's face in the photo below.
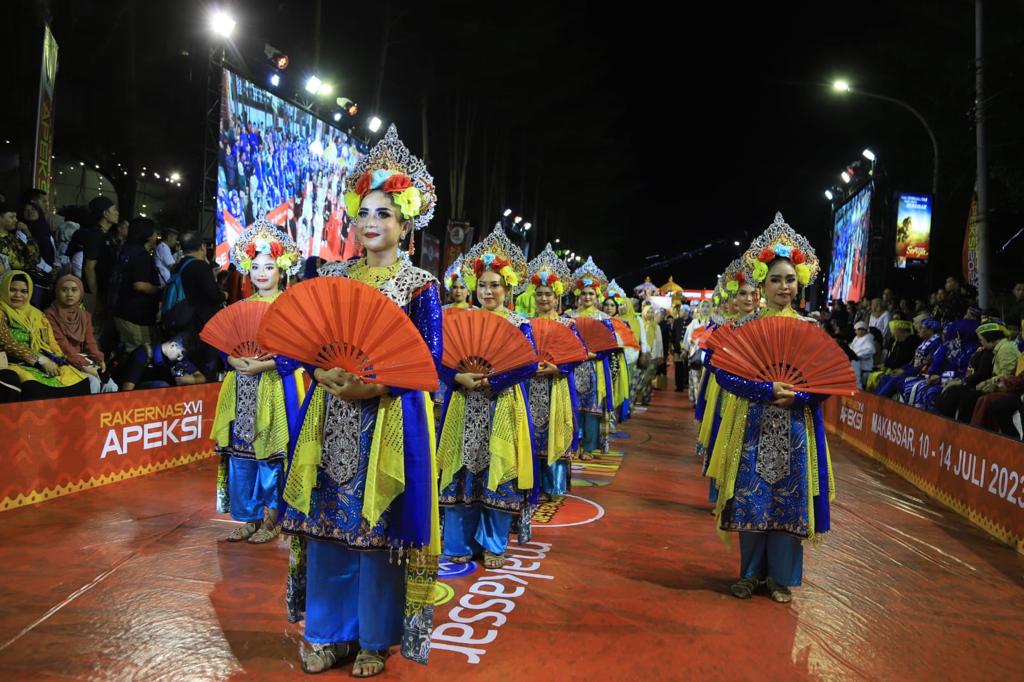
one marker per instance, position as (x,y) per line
(588,297)
(460,292)
(544,298)
(379,223)
(609,307)
(265,274)
(780,287)
(746,299)
(490,291)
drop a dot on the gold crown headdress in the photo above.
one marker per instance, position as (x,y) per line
(589,275)
(781,241)
(392,168)
(263,237)
(494,253)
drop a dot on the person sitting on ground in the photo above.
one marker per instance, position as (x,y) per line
(159,366)
(72,327)
(32,350)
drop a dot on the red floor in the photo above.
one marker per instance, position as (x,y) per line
(129,581)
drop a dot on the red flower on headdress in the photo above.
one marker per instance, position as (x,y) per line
(797,256)
(535,280)
(363,185)
(741,278)
(480,266)
(397,183)
(250,250)
(766,255)
(276,249)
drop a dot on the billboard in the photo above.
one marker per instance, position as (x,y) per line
(913,229)
(848,270)
(278,162)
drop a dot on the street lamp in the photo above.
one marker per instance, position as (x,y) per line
(507,213)
(374,124)
(222,24)
(313,85)
(828,194)
(842,86)
(869,155)
(275,80)
(846,177)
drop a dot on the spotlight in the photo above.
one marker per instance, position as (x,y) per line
(557,240)
(313,85)
(222,24)
(375,124)
(735,243)
(175,176)
(275,80)
(869,155)
(845,176)
(517,220)
(325,89)
(508,212)
(841,86)
(337,116)
(829,195)
(527,226)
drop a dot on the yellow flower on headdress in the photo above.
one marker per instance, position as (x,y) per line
(352,203)
(803,274)
(732,286)
(509,275)
(558,288)
(408,201)
(760,271)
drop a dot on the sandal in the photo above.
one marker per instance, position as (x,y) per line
(459,559)
(324,657)
(779,593)
(492,560)
(243,532)
(586,456)
(744,589)
(370,660)
(263,535)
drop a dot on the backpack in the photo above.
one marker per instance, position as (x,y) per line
(175,310)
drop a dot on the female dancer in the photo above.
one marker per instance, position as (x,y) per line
(258,400)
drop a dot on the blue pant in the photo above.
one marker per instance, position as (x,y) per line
(353,596)
(555,478)
(470,530)
(252,485)
(775,555)
(591,431)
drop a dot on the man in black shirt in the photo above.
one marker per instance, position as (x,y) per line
(138,292)
(98,259)
(679,326)
(203,295)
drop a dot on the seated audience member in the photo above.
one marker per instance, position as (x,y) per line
(863,347)
(72,326)
(32,351)
(159,366)
(899,353)
(994,411)
(896,384)
(993,335)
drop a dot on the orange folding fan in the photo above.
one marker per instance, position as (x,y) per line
(702,334)
(595,334)
(788,350)
(233,329)
(481,342)
(625,332)
(556,343)
(334,322)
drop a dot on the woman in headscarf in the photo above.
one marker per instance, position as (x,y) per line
(72,328)
(27,338)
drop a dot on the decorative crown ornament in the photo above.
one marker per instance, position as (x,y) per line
(453,274)
(494,253)
(781,241)
(263,237)
(589,275)
(391,167)
(547,269)
(616,291)
(736,275)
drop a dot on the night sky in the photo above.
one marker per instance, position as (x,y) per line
(636,133)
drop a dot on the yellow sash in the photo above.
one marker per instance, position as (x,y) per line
(560,424)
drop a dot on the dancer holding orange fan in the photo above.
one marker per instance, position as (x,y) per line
(485,450)
(770,461)
(260,395)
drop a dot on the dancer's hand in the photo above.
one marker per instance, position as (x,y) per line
(783,394)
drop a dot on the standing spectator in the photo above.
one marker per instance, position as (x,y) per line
(839,313)
(137,299)
(166,254)
(18,249)
(1015,311)
(888,300)
(119,235)
(665,326)
(203,295)
(880,318)
(98,255)
(679,327)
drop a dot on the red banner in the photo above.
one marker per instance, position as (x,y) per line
(977,473)
(56,447)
